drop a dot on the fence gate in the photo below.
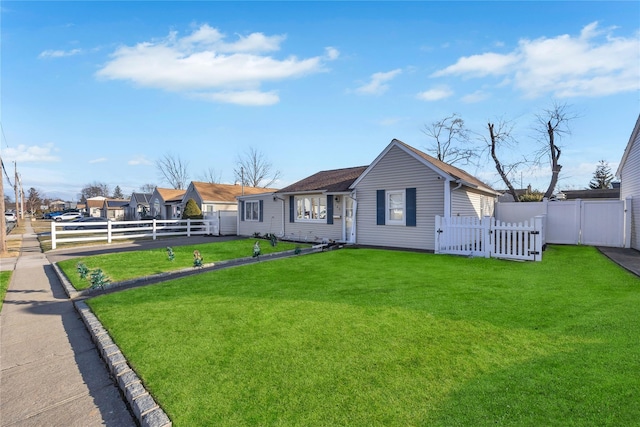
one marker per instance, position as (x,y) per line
(488,237)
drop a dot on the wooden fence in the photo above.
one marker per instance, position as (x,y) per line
(108,231)
(488,237)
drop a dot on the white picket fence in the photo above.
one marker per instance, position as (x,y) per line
(116,230)
(488,237)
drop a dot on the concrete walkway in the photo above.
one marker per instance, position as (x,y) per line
(50,371)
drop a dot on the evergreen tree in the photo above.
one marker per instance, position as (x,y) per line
(602,177)
(117,193)
(191,210)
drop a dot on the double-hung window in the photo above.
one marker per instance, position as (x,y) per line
(252,211)
(395,214)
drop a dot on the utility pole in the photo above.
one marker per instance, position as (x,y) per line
(15,188)
(3,222)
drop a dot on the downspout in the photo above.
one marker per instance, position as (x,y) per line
(447,195)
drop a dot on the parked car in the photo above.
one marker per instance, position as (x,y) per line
(52,215)
(67,216)
(10,217)
(87,223)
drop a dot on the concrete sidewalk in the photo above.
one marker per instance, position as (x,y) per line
(50,371)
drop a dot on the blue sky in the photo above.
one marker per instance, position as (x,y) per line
(98,91)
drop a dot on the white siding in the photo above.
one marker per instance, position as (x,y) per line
(465,202)
(630,187)
(271,217)
(397,171)
(313,231)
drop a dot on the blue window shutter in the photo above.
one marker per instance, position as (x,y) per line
(260,213)
(292,209)
(380,209)
(410,202)
(242,210)
(329,209)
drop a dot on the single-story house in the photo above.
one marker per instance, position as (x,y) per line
(212,198)
(94,206)
(138,207)
(598,193)
(629,175)
(114,209)
(165,203)
(392,202)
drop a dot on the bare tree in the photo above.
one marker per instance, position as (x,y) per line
(451,141)
(501,137)
(173,170)
(254,170)
(211,176)
(95,189)
(553,124)
(147,188)
(34,201)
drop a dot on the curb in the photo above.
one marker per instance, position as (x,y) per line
(145,409)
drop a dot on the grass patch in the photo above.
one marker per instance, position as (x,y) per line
(372,337)
(130,265)
(5,278)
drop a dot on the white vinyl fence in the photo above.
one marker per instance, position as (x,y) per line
(63,232)
(488,237)
(572,222)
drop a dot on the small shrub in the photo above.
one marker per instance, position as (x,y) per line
(82,270)
(191,210)
(170,254)
(99,279)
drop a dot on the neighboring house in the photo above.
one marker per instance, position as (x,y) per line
(600,193)
(319,207)
(392,202)
(165,203)
(94,206)
(114,209)
(212,198)
(629,174)
(138,207)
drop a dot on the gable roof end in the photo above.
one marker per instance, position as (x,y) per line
(443,169)
(632,139)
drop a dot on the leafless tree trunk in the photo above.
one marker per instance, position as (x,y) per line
(495,138)
(254,170)
(174,171)
(451,141)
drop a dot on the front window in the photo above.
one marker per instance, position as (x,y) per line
(252,211)
(395,207)
(311,208)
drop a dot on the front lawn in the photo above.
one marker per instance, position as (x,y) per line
(5,278)
(364,337)
(121,266)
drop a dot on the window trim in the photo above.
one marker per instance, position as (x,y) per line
(321,202)
(387,197)
(248,209)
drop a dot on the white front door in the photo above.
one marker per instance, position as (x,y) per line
(349,220)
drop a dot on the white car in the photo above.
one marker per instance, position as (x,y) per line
(68,216)
(10,217)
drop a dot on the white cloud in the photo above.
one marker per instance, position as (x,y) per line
(376,85)
(248,97)
(435,94)
(203,61)
(34,153)
(476,96)
(139,160)
(593,63)
(98,160)
(59,53)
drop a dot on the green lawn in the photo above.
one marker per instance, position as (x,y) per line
(130,265)
(364,337)
(5,278)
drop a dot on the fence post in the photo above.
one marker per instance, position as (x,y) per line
(188,227)
(154,229)
(538,238)
(438,232)
(108,231)
(487,226)
(53,234)
(628,206)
